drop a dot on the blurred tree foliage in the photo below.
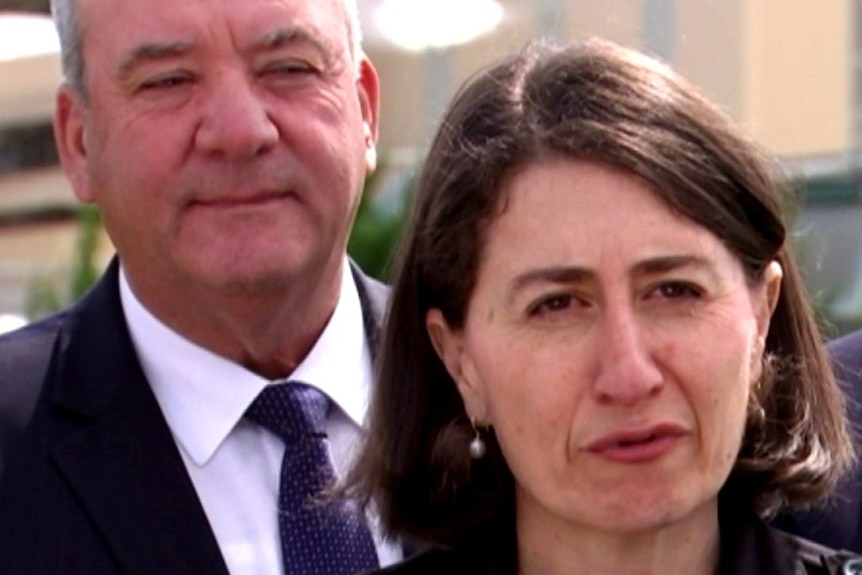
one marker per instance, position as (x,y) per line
(380,220)
(46,296)
(85,270)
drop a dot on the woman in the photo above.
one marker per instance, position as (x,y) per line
(599,357)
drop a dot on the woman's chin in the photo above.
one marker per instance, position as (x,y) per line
(636,511)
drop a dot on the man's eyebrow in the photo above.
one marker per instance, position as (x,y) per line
(294,36)
(152,52)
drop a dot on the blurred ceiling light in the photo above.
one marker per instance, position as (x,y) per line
(26,35)
(422,24)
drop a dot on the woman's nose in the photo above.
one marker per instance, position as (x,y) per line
(627,371)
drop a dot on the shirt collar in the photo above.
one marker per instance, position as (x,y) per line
(204,395)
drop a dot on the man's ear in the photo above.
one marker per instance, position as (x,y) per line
(69,134)
(449,345)
(368,86)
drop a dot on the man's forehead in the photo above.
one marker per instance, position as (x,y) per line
(248,22)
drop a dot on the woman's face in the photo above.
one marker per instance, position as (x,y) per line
(612,345)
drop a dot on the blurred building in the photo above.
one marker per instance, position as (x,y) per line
(790,71)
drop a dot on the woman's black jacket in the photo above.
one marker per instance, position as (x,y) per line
(748,547)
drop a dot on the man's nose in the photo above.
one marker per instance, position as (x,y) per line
(236,123)
(627,371)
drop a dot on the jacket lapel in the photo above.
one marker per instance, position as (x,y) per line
(373,297)
(115,450)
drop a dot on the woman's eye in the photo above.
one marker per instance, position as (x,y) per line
(551,304)
(677,290)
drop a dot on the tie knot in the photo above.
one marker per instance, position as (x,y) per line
(290,410)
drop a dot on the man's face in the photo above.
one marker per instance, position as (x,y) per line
(225,142)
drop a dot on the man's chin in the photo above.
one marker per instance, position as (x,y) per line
(245,282)
(247,277)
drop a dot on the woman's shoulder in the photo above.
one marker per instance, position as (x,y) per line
(751,546)
(433,561)
(444,562)
(821,560)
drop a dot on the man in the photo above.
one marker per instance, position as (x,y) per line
(839,523)
(225,144)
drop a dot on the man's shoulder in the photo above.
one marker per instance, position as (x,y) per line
(28,346)
(28,349)
(24,359)
(44,328)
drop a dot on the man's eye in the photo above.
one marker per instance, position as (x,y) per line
(290,68)
(165,82)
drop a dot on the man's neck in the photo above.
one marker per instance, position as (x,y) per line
(267,332)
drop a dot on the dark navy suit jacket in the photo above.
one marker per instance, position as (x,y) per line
(837,524)
(91,481)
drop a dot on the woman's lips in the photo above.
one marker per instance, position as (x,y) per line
(637,445)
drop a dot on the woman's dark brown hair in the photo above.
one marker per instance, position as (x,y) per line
(592,101)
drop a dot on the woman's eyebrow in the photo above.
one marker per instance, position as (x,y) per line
(664,264)
(551,274)
(579,274)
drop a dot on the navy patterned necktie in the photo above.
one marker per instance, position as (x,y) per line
(318,536)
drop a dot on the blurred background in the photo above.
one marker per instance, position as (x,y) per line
(789,71)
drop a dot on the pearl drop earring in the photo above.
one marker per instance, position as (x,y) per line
(477,445)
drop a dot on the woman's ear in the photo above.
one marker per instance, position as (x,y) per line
(764,306)
(450,347)
(772,277)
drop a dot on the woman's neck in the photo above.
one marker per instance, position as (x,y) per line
(550,546)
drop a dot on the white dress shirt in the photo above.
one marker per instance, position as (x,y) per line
(234,464)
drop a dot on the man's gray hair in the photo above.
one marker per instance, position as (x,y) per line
(354,29)
(65,15)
